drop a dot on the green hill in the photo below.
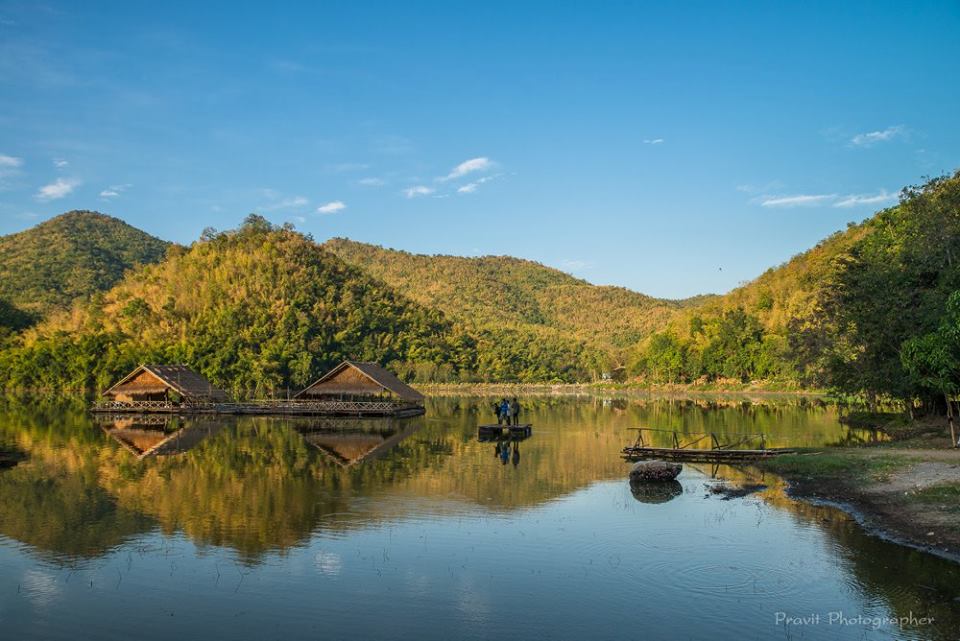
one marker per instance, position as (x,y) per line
(76,254)
(838,315)
(254,310)
(496,293)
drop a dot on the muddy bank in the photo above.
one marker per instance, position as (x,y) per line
(909,496)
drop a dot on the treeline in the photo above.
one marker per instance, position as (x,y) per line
(874,310)
(262,309)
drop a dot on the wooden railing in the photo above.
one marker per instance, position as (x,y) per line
(260,407)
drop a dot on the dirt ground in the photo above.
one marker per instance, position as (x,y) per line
(898,506)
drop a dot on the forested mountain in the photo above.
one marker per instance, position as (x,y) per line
(47,267)
(254,310)
(866,311)
(496,292)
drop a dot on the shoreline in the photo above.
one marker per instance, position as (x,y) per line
(625,389)
(902,495)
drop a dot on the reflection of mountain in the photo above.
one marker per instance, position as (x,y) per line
(257,484)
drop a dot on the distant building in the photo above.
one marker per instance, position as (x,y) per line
(162,385)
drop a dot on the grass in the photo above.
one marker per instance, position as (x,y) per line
(838,465)
(946,496)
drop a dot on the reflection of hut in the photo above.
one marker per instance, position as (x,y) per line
(144,437)
(347,445)
(162,386)
(364,388)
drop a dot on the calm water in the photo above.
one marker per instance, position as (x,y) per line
(259,528)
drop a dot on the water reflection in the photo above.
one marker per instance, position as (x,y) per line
(423,498)
(655,491)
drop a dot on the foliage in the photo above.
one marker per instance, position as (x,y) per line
(70,257)
(255,310)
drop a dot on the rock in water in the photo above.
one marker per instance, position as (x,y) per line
(655,471)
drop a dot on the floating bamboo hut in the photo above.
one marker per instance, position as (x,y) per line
(362,388)
(352,388)
(161,388)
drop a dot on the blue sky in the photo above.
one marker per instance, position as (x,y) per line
(670,149)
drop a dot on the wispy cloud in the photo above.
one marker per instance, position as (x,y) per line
(418,190)
(113,191)
(345,167)
(372,182)
(871,138)
(468,167)
(59,188)
(60,163)
(331,207)
(9,168)
(471,187)
(10,162)
(797,200)
(575,264)
(853,200)
(653,141)
(280,202)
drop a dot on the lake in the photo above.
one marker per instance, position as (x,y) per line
(262,528)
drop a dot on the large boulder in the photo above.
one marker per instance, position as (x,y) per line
(655,471)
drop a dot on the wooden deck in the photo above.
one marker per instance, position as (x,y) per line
(267,408)
(494,432)
(719,452)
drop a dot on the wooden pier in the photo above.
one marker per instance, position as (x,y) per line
(718,452)
(494,432)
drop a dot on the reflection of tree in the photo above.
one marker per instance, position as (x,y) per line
(908,581)
(256,484)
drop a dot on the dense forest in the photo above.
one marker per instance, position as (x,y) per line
(873,310)
(66,258)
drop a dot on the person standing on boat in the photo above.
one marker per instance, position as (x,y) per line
(496,410)
(504,411)
(515,411)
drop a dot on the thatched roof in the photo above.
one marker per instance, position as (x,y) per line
(359,378)
(157,378)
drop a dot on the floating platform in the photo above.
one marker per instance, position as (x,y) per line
(700,456)
(720,452)
(356,409)
(494,432)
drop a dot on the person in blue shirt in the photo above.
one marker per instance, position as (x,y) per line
(505,411)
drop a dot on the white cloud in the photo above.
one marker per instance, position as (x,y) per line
(59,188)
(10,162)
(575,264)
(419,190)
(653,141)
(468,167)
(796,200)
(113,191)
(60,163)
(331,207)
(279,202)
(854,200)
(344,167)
(871,138)
(469,188)
(372,182)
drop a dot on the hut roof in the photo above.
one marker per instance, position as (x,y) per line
(176,377)
(381,377)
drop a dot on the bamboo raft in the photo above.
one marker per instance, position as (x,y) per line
(494,432)
(265,407)
(684,451)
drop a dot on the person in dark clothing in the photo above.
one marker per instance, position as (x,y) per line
(496,410)
(515,411)
(516,454)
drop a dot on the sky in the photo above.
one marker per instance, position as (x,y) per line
(672,148)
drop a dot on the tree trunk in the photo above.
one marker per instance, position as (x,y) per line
(953,432)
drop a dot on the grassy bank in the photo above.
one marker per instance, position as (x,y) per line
(897,490)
